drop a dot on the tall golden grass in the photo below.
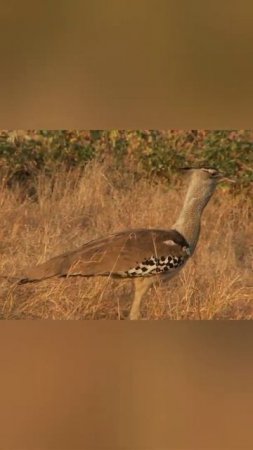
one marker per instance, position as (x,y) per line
(80,205)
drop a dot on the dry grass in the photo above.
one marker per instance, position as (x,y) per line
(216,283)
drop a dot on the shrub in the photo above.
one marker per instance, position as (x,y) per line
(23,154)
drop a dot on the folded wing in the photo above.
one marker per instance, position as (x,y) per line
(138,252)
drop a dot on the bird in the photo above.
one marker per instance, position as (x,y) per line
(144,255)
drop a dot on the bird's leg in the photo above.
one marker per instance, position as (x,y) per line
(141,285)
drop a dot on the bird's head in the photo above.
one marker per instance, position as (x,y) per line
(207,176)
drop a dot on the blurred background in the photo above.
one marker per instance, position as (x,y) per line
(124,386)
(126,64)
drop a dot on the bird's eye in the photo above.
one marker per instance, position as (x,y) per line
(213,173)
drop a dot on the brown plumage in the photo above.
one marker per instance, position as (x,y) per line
(116,255)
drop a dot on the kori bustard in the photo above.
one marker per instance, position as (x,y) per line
(144,255)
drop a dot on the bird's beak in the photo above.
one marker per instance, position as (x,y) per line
(226,179)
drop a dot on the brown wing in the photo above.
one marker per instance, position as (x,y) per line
(115,254)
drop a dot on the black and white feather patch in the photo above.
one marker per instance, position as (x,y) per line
(153,266)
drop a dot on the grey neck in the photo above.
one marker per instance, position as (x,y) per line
(189,220)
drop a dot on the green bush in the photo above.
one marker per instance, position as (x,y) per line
(24,154)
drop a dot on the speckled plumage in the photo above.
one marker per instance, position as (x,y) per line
(154,266)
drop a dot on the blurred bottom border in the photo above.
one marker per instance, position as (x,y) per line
(126,385)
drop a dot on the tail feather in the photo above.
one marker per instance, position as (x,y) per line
(67,264)
(57,266)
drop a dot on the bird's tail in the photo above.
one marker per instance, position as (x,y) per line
(57,266)
(67,264)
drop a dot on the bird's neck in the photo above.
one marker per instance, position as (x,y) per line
(189,220)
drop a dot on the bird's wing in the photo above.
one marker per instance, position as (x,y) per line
(129,253)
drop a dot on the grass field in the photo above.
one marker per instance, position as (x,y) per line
(216,283)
